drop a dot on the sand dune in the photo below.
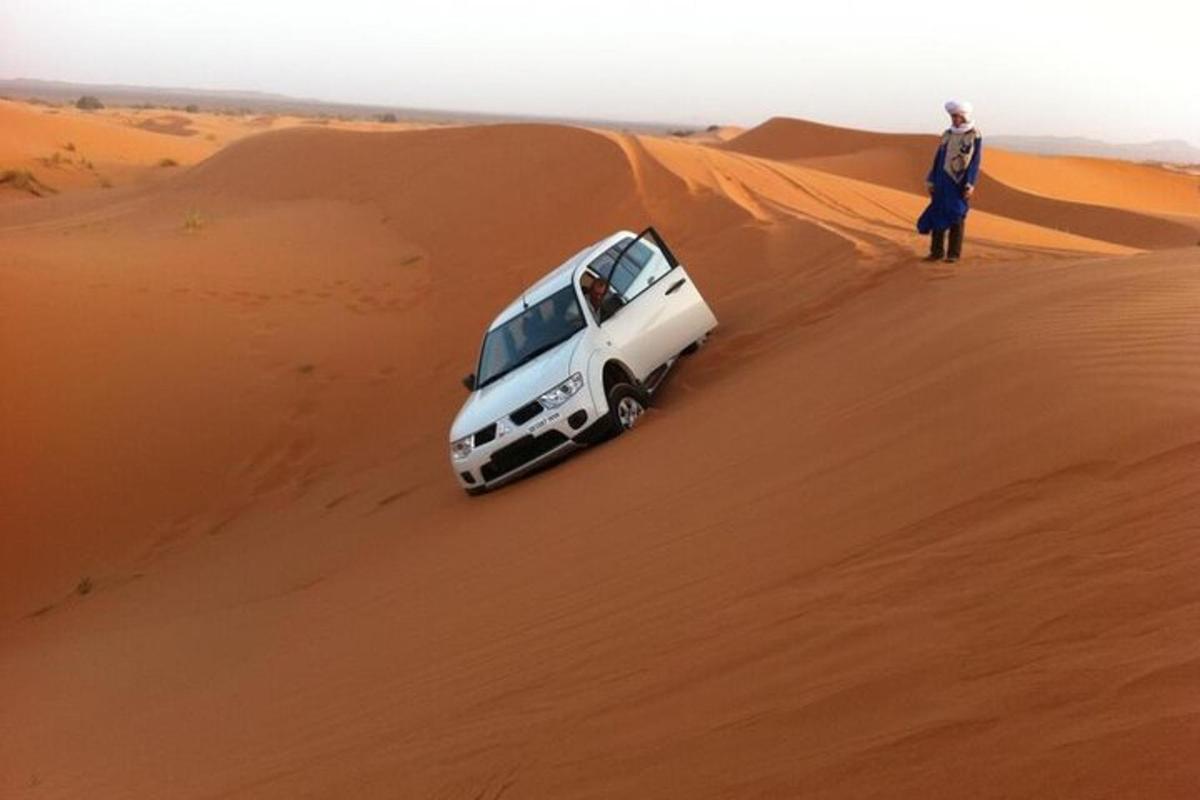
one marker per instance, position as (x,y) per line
(899,530)
(1120,184)
(902,162)
(70,149)
(66,149)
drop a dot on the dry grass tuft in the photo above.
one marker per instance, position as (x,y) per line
(23,180)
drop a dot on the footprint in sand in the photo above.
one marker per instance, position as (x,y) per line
(337,501)
(391,498)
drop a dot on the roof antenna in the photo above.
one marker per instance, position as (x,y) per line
(525,301)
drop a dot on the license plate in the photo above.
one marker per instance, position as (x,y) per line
(541,423)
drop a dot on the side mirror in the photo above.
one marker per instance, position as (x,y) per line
(469,382)
(610,305)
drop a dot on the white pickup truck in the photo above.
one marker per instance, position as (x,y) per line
(576,358)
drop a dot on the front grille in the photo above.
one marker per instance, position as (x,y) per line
(526,413)
(520,453)
(485,435)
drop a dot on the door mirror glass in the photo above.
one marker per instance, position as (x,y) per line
(611,305)
(469,382)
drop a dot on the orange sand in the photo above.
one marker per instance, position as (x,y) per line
(899,530)
(67,149)
(1140,187)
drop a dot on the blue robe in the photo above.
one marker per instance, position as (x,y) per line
(948,206)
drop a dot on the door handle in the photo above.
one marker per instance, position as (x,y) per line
(675,286)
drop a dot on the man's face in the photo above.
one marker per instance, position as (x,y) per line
(597,289)
(958,119)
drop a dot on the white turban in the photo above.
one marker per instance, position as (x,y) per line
(956,107)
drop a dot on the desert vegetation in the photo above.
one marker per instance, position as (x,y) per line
(24,181)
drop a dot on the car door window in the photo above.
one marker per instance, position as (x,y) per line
(641,266)
(632,266)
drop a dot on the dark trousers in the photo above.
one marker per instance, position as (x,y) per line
(937,241)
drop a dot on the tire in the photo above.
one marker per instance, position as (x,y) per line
(626,405)
(694,346)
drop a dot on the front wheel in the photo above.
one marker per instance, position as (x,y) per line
(626,405)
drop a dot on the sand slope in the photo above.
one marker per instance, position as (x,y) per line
(1119,184)
(898,531)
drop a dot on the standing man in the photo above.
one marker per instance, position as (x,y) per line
(951,182)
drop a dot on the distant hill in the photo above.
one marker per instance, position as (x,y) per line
(1174,151)
(267,103)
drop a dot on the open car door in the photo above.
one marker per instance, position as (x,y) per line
(655,310)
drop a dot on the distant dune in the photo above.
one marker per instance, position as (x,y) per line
(1136,187)
(66,149)
(902,162)
(1176,151)
(249,102)
(899,530)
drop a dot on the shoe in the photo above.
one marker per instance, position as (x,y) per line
(932,257)
(951,259)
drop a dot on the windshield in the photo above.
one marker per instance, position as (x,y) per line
(535,330)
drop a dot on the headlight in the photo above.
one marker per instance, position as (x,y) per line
(462,448)
(561,393)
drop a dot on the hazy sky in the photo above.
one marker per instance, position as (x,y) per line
(1122,71)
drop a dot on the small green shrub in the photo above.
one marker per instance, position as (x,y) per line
(89,103)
